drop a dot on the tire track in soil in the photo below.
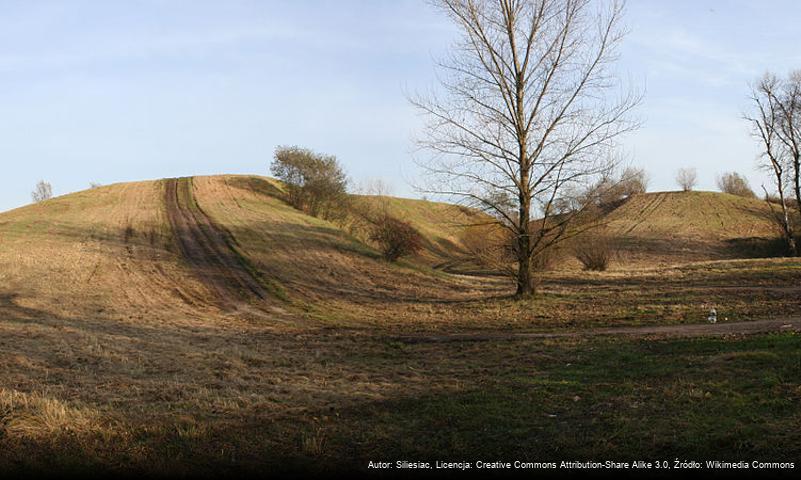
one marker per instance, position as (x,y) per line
(207,249)
(646,211)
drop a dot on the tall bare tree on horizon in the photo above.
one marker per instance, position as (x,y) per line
(525,114)
(786,95)
(766,123)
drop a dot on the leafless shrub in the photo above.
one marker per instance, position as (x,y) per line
(687,178)
(374,187)
(735,184)
(609,191)
(396,238)
(315,183)
(594,252)
(547,260)
(633,181)
(364,212)
(43,191)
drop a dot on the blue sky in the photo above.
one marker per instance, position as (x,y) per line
(110,91)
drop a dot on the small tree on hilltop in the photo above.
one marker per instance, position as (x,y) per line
(633,181)
(315,183)
(687,178)
(735,184)
(43,191)
(611,189)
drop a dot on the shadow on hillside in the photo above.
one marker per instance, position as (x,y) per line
(325,262)
(686,250)
(671,249)
(768,213)
(12,311)
(256,185)
(441,247)
(318,260)
(757,247)
(127,236)
(536,420)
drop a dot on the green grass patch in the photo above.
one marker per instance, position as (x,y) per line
(605,398)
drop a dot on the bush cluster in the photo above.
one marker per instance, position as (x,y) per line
(594,252)
(395,238)
(735,184)
(315,183)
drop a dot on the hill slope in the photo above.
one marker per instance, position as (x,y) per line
(679,227)
(230,246)
(224,244)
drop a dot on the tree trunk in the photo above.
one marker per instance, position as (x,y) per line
(525,278)
(797,182)
(787,226)
(789,234)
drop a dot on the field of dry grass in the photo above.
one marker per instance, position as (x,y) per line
(669,228)
(116,355)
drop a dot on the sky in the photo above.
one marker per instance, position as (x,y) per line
(106,92)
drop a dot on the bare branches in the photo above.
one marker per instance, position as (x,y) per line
(527,110)
(42,192)
(768,126)
(687,178)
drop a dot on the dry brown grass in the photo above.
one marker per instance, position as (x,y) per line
(108,249)
(671,228)
(36,416)
(110,352)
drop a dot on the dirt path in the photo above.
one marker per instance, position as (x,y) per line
(208,248)
(665,331)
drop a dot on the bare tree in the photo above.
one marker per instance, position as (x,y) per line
(633,181)
(530,108)
(785,94)
(611,190)
(766,126)
(735,184)
(43,191)
(687,178)
(374,187)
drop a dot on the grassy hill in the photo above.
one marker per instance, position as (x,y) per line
(120,249)
(667,228)
(230,244)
